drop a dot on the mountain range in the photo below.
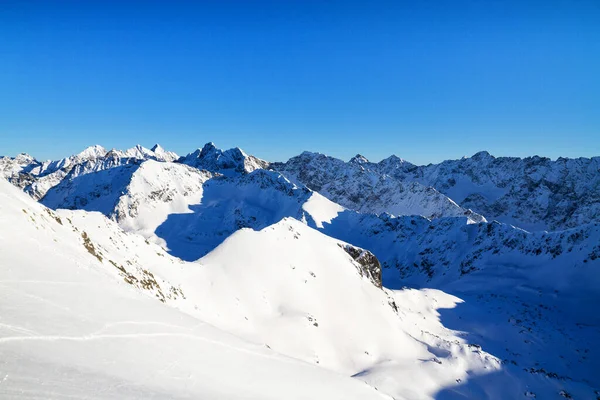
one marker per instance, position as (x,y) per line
(472,278)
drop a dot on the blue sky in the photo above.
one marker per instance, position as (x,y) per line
(426,80)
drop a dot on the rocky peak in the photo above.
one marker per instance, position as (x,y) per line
(369,265)
(207,149)
(227,162)
(157,148)
(359,159)
(482,155)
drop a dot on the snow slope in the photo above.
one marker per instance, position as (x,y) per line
(131,321)
(529,298)
(68,328)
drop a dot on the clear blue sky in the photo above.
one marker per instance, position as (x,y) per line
(426,80)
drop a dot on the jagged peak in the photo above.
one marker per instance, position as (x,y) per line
(157,148)
(208,148)
(393,159)
(395,162)
(239,151)
(211,150)
(359,159)
(481,155)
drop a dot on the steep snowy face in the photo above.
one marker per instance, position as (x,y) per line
(227,162)
(297,290)
(534,193)
(360,185)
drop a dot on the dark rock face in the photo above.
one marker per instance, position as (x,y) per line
(227,162)
(21,180)
(369,265)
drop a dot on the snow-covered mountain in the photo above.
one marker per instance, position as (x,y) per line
(186,210)
(107,309)
(533,193)
(360,185)
(156,153)
(85,313)
(414,250)
(139,196)
(227,162)
(37,177)
(495,311)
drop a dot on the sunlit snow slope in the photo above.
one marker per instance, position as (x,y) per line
(69,329)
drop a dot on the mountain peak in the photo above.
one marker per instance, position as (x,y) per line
(482,155)
(394,162)
(24,157)
(94,151)
(157,148)
(227,162)
(359,159)
(208,148)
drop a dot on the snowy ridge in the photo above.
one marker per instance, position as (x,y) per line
(359,185)
(37,177)
(534,193)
